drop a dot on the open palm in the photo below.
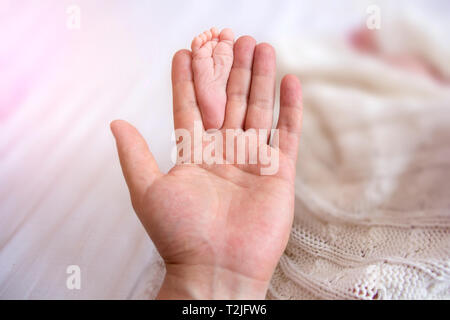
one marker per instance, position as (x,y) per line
(222,221)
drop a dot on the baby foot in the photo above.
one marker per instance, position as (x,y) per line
(212,58)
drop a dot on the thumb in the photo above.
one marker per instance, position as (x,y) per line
(138,165)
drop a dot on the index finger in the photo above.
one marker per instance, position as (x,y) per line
(185,107)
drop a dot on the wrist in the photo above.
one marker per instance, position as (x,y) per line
(209,283)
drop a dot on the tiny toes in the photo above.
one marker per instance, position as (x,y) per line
(204,38)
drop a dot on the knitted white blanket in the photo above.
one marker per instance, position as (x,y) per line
(373,176)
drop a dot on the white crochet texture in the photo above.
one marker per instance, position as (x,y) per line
(372,211)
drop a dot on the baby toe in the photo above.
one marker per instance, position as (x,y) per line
(204,37)
(208,35)
(196,43)
(226,35)
(215,33)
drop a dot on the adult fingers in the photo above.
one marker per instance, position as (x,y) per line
(185,107)
(238,87)
(262,91)
(290,119)
(138,165)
